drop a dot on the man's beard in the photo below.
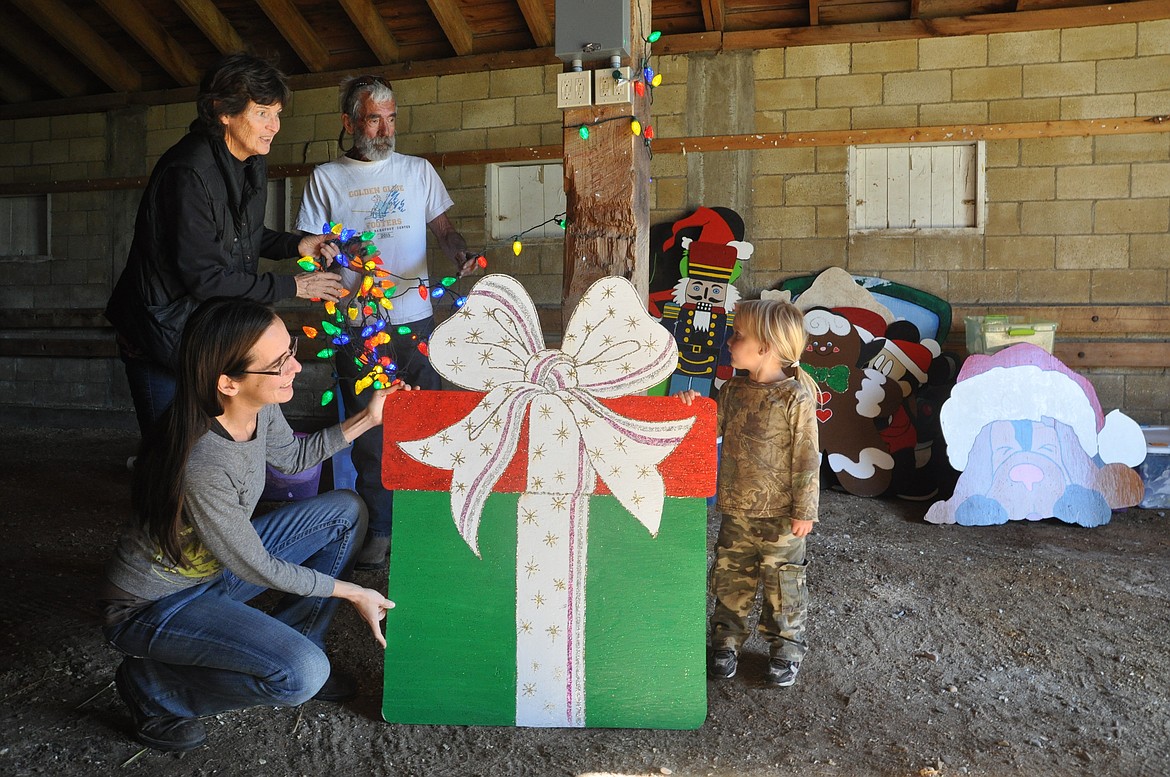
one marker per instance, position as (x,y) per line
(373,149)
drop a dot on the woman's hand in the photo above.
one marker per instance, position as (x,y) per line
(321,246)
(319,285)
(370,604)
(358,424)
(688,396)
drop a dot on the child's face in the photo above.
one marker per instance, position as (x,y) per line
(747,353)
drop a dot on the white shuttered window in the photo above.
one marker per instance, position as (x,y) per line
(917,187)
(521,196)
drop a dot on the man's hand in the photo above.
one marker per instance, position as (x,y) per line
(466,263)
(321,246)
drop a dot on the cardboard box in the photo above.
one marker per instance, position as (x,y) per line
(1155,470)
(988,334)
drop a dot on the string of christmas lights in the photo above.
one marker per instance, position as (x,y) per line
(367,308)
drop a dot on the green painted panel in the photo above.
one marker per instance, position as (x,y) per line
(451,644)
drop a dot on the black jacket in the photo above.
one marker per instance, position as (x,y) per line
(199,234)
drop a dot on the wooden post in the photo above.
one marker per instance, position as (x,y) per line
(607,187)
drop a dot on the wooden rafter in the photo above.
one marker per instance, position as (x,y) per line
(372,26)
(536,17)
(294,29)
(75,35)
(814,12)
(47,67)
(454,26)
(151,36)
(714,15)
(214,25)
(982,24)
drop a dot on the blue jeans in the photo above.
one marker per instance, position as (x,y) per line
(415,370)
(151,387)
(204,650)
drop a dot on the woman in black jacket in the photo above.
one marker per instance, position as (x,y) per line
(200,229)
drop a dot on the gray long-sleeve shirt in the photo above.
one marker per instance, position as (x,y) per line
(224,481)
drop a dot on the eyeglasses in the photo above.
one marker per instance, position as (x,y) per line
(280,365)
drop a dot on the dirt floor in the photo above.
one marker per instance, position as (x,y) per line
(1034,649)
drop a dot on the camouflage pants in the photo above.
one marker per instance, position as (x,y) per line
(750,551)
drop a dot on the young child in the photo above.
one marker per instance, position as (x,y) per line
(768,489)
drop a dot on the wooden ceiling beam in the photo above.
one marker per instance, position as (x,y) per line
(536,17)
(207,17)
(373,29)
(47,68)
(294,29)
(154,38)
(715,15)
(454,26)
(55,18)
(814,12)
(982,24)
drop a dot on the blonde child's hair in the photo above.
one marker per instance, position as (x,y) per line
(779,325)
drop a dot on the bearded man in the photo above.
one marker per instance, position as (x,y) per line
(372,188)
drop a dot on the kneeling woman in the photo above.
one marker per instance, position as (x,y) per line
(176,593)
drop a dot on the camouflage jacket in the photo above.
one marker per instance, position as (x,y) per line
(770,461)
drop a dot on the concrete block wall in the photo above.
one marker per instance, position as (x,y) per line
(1079,220)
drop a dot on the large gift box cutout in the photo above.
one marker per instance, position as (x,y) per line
(549,551)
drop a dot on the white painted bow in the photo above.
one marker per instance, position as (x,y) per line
(611,348)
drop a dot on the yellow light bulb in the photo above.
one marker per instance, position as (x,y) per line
(517,247)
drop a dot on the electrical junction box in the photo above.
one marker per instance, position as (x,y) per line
(574,90)
(591,30)
(612,86)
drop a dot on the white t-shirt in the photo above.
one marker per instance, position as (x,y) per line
(395,199)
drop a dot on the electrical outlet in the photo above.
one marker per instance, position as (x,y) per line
(610,90)
(573,89)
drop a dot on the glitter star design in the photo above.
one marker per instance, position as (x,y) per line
(461,487)
(626,367)
(529,689)
(607,292)
(559,584)
(497,422)
(551,539)
(650,344)
(536,666)
(456,366)
(530,516)
(585,422)
(632,322)
(465,312)
(450,342)
(563,432)
(607,340)
(590,327)
(554,631)
(525,627)
(559,476)
(643,471)
(620,443)
(559,503)
(532,567)
(488,384)
(469,425)
(615,471)
(610,312)
(537,484)
(425,450)
(637,499)
(457,457)
(570,337)
(444,437)
(598,367)
(485,449)
(538,599)
(485,356)
(538,452)
(545,412)
(475,336)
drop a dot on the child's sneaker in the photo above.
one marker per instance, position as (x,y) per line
(781,672)
(723,663)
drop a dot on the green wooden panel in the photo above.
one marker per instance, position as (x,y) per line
(451,644)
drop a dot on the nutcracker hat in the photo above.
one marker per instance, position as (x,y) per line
(715,254)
